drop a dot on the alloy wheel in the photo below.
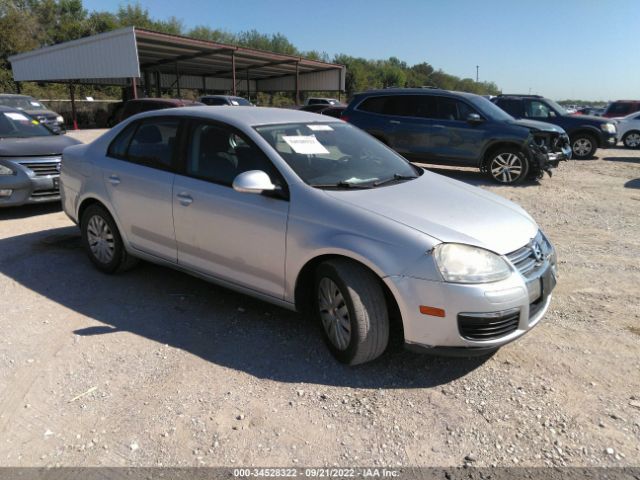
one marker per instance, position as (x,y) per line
(334,314)
(507,167)
(100,239)
(632,140)
(582,147)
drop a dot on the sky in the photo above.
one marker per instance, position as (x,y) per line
(562,49)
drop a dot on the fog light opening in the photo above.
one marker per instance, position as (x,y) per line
(432,311)
(5,192)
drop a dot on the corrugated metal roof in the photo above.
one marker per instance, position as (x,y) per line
(110,57)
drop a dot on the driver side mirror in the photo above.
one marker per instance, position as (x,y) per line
(253,181)
(474,118)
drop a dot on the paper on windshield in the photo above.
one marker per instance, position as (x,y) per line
(35,104)
(305,144)
(235,102)
(16,116)
(320,128)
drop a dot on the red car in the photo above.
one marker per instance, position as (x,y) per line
(139,105)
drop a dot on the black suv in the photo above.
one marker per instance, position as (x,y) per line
(455,128)
(587,133)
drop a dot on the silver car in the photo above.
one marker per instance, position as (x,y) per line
(312,214)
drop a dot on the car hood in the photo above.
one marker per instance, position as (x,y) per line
(449,211)
(539,126)
(35,146)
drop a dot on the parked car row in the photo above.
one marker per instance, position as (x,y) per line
(428,125)
(35,109)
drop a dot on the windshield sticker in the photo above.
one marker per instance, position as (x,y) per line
(235,102)
(320,128)
(35,104)
(305,145)
(16,116)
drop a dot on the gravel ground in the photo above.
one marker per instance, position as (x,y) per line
(156,368)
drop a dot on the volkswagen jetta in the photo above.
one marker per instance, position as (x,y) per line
(314,215)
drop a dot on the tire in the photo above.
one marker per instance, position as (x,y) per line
(102,241)
(507,166)
(631,139)
(352,311)
(583,146)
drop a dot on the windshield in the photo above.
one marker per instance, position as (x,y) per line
(490,109)
(557,107)
(22,103)
(337,155)
(20,125)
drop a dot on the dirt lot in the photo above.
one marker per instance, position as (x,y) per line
(154,367)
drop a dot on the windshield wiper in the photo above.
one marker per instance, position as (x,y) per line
(396,177)
(342,184)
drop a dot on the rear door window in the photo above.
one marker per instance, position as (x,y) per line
(373,104)
(153,143)
(511,106)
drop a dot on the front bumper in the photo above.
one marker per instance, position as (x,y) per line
(478,318)
(608,140)
(547,157)
(38,184)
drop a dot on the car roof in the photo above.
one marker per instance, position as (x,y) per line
(242,115)
(419,91)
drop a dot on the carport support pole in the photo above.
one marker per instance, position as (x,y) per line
(158,85)
(72,96)
(297,84)
(178,80)
(248,87)
(134,89)
(233,71)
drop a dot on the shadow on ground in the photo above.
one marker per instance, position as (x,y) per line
(26,211)
(623,159)
(635,183)
(473,177)
(214,323)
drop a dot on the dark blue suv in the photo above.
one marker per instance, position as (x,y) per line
(455,128)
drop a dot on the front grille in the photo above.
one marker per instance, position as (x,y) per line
(483,327)
(42,169)
(525,259)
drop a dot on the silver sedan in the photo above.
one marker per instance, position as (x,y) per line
(312,214)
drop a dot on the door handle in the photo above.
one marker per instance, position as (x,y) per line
(185,199)
(395,122)
(114,180)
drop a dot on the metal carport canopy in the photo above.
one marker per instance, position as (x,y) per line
(163,60)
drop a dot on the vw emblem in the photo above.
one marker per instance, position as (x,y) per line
(537,251)
(58,166)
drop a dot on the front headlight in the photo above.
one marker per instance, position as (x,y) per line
(5,170)
(459,263)
(60,119)
(608,127)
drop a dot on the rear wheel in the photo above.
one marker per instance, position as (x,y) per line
(508,166)
(583,146)
(352,309)
(631,139)
(103,242)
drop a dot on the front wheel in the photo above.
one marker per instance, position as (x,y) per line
(584,146)
(631,139)
(508,166)
(352,309)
